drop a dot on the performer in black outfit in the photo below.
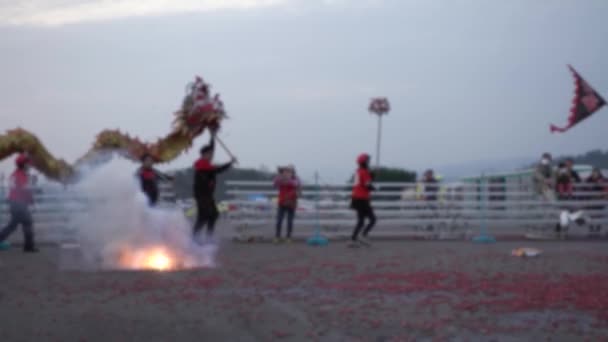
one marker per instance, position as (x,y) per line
(204,188)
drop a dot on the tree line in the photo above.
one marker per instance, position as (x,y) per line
(184,179)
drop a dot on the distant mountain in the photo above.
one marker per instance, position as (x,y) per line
(596,158)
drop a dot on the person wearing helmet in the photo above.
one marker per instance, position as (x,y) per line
(20,197)
(204,187)
(361,202)
(148,177)
(289,185)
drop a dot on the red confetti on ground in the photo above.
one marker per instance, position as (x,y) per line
(501,293)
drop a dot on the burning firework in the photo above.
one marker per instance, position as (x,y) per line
(122,232)
(158,258)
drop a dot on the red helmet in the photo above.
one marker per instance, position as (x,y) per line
(363,158)
(22,159)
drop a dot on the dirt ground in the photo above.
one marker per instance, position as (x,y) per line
(394,291)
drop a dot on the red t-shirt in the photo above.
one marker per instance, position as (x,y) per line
(362,180)
(147,174)
(19,188)
(288,190)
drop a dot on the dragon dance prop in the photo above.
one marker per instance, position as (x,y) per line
(586,102)
(199,111)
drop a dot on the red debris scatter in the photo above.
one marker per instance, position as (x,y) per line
(516,292)
(280,334)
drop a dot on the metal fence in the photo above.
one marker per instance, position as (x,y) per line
(454,208)
(53,207)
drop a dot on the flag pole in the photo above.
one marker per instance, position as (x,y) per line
(378,141)
(225,147)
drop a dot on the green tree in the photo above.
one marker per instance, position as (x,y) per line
(391,174)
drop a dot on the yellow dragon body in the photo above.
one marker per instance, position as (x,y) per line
(199,111)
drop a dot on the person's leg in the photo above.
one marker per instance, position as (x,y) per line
(12,224)
(372,220)
(28,231)
(360,221)
(153,198)
(570,190)
(280,216)
(291,213)
(201,217)
(213,216)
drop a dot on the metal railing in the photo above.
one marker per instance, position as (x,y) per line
(53,208)
(407,206)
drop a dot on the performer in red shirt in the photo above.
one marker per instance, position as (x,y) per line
(361,201)
(20,197)
(149,178)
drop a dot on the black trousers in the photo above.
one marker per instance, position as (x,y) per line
(207,214)
(152,196)
(364,211)
(20,215)
(290,212)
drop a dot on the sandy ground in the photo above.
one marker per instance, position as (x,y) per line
(394,291)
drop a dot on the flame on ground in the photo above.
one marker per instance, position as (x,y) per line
(158,258)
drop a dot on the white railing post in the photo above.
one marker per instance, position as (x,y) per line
(483,236)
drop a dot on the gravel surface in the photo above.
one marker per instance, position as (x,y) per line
(393,291)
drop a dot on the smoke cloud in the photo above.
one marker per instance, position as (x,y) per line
(117,229)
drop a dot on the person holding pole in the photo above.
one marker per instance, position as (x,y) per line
(361,202)
(204,187)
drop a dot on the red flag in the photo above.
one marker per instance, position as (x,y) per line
(586,102)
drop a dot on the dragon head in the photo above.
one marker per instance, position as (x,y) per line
(199,110)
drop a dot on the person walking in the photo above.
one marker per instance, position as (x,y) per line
(361,202)
(20,198)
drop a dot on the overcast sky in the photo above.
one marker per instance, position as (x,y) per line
(468,80)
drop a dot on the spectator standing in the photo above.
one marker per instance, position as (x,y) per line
(597,185)
(563,182)
(545,178)
(288,185)
(431,186)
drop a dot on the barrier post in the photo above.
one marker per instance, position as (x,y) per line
(317,239)
(483,236)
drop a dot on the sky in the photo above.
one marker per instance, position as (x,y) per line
(468,80)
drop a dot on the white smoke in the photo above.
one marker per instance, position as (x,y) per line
(118,227)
